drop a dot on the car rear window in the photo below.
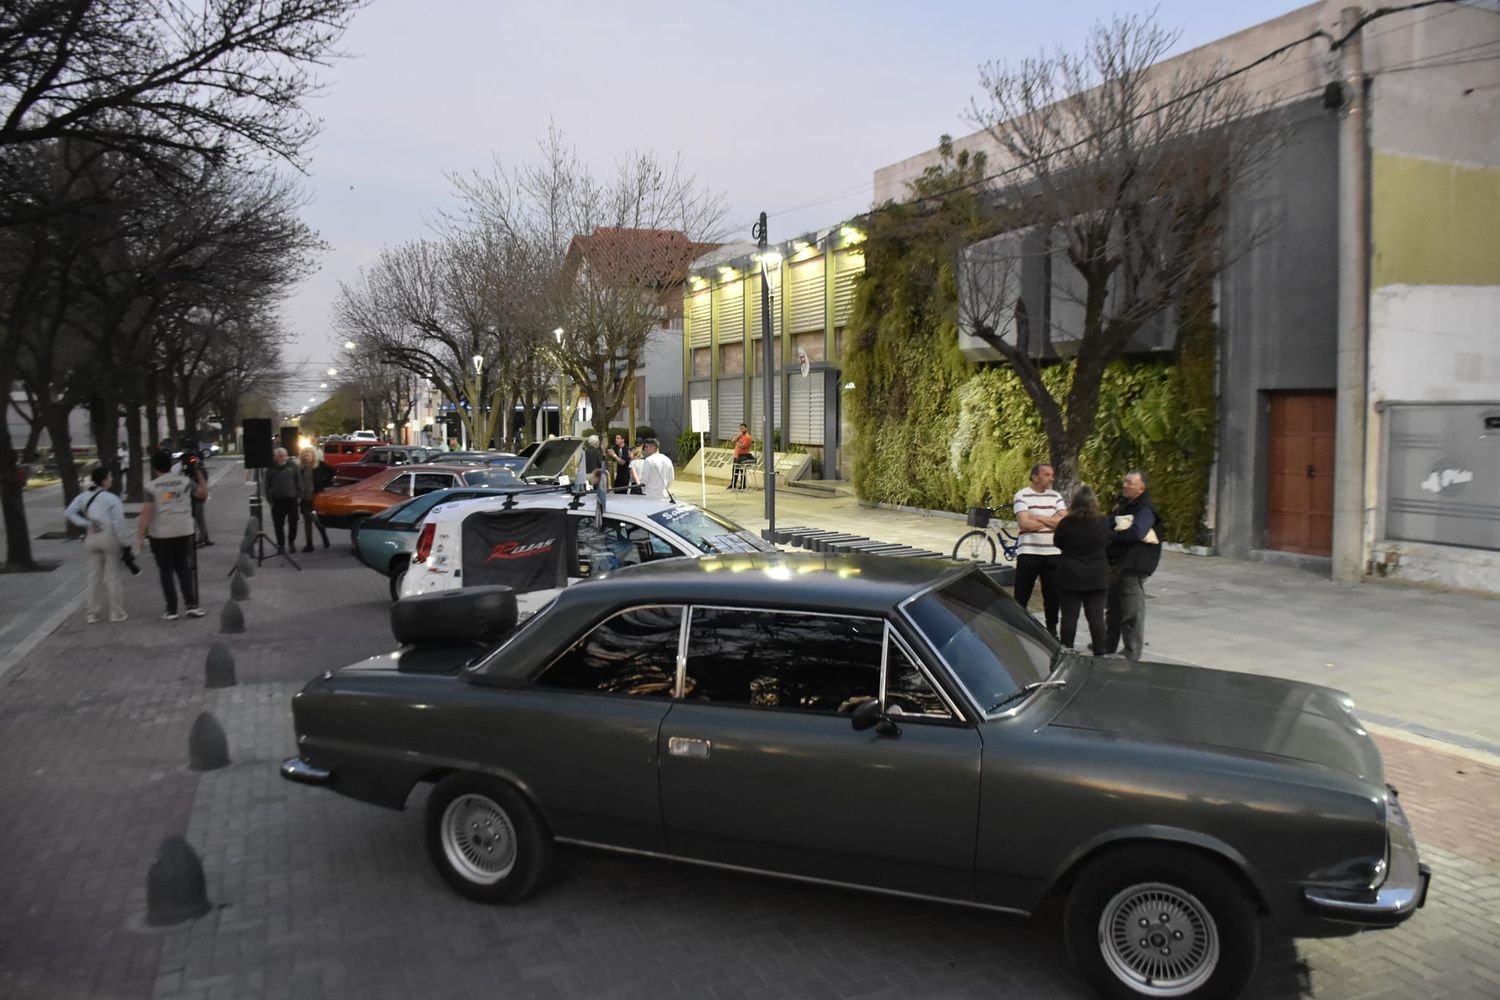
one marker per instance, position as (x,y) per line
(987,639)
(708,532)
(493,476)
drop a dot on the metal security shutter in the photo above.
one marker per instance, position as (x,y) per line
(850,267)
(731,312)
(731,406)
(698,389)
(807,408)
(757,409)
(699,328)
(806,289)
(752,289)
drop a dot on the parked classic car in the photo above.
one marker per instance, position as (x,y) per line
(894,725)
(345,506)
(379,458)
(384,541)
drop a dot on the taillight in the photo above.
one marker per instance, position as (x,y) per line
(424,543)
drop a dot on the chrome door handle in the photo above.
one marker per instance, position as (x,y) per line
(679,746)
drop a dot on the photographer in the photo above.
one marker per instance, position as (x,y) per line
(100,513)
(168,515)
(195,468)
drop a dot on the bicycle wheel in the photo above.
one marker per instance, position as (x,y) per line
(975,546)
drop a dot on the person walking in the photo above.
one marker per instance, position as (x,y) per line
(283,487)
(742,459)
(101,515)
(168,518)
(1082,540)
(1038,509)
(618,455)
(1134,552)
(654,472)
(317,476)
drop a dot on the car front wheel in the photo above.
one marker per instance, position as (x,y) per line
(486,840)
(1155,922)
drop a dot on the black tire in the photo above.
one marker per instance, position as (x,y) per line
(486,840)
(1129,910)
(975,546)
(398,574)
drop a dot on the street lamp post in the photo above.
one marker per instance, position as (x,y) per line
(557,335)
(475,409)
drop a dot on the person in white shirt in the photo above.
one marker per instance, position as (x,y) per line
(654,472)
(1039,508)
(100,513)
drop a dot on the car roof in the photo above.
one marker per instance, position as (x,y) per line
(847,584)
(556,498)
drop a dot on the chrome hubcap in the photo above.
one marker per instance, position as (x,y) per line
(1159,939)
(478,839)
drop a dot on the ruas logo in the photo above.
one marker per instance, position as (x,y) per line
(516,550)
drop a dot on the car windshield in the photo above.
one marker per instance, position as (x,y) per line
(491,476)
(987,640)
(708,532)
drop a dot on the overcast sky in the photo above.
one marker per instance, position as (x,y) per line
(785,107)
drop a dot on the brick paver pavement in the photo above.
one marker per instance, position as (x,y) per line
(318,896)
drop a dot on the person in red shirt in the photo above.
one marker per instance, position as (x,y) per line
(742,458)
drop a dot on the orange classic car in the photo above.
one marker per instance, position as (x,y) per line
(342,506)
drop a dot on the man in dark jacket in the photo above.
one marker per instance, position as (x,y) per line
(1134,551)
(283,487)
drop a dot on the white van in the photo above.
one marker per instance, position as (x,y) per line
(541,541)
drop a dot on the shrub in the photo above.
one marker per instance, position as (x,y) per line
(687,446)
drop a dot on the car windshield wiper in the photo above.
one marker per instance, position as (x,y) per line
(1024,691)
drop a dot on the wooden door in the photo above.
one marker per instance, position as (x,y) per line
(1299,492)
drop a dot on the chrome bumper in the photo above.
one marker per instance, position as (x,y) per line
(298,770)
(1403,892)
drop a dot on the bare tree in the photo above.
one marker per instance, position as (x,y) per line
(1122,169)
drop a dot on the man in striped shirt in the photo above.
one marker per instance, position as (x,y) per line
(1038,508)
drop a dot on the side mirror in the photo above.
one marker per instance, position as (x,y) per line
(869,715)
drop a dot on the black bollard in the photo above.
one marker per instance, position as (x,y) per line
(208,747)
(219,670)
(246,565)
(239,587)
(175,887)
(231,618)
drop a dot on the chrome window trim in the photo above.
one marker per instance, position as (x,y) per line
(811,879)
(536,678)
(954,715)
(682,677)
(979,711)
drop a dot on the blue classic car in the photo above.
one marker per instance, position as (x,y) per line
(894,725)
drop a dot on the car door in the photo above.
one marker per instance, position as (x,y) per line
(761,767)
(585,734)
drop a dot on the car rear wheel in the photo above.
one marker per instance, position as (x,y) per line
(486,840)
(1157,922)
(398,576)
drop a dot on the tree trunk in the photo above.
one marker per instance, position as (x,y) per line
(62,451)
(12,499)
(136,489)
(153,414)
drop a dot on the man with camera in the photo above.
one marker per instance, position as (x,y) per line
(168,516)
(196,469)
(100,513)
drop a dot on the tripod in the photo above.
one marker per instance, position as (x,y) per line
(258,543)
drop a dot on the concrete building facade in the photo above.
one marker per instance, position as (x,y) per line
(1362,332)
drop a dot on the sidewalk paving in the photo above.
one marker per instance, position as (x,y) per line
(318,896)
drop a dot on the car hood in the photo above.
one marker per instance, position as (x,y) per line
(551,458)
(1230,711)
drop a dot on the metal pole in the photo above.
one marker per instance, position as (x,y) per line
(1353,307)
(768,372)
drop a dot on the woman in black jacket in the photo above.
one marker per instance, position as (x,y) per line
(1082,539)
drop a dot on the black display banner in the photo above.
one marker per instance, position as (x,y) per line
(524,549)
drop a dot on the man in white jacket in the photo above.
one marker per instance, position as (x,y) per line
(101,514)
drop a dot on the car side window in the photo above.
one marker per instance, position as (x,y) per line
(777,659)
(378,455)
(634,653)
(907,689)
(401,486)
(426,482)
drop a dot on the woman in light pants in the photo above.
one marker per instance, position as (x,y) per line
(100,513)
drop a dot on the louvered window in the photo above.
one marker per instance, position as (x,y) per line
(806,291)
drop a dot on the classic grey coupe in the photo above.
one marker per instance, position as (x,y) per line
(894,725)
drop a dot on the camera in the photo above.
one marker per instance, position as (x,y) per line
(192,463)
(128,558)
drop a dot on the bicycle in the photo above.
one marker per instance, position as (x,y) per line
(991,533)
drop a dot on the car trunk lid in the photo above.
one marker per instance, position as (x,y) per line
(1218,708)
